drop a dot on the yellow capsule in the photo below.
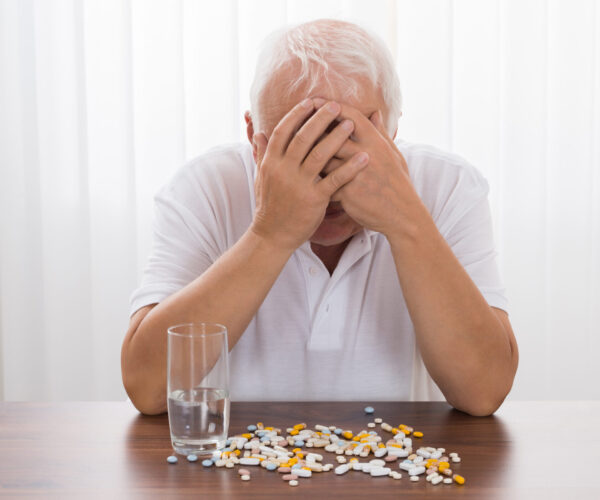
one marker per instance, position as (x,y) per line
(405,431)
(347,434)
(237,452)
(395,445)
(381,445)
(353,460)
(356,438)
(299,426)
(418,434)
(459,479)
(296,450)
(269,428)
(402,426)
(394,430)
(443,465)
(300,455)
(293,460)
(294,432)
(306,468)
(364,440)
(247,436)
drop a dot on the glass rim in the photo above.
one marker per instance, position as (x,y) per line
(171,330)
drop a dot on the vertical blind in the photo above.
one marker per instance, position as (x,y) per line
(102,100)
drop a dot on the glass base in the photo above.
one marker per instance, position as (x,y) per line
(188,448)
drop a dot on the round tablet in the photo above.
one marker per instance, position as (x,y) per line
(172,459)
(369,410)
(192,458)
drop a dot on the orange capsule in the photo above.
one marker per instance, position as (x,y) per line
(418,434)
(458,479)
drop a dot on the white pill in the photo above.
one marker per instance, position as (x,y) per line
(302,472)
(245,477)
(357,465)
(380,471)
(436,454)
(293,482)
(370,425)
(414,478)
(378,420)
(415,471)
(229,464)
(342,469)
(249,461)
(314,457)
(367,468)
(397,452)
(327,467)
(448,480)
(456,459)
(397,475)
(423,453)
(407,466)
(437,480)
(380,452)
(377,463)
(341,459)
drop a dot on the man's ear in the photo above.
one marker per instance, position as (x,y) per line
(250,133)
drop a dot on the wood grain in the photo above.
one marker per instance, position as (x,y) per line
(108,450)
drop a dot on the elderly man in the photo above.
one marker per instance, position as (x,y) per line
(345,265)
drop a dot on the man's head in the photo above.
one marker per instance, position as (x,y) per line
(334,60)
(325,58)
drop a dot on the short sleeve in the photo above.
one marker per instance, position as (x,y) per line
(471,239)
(182,250)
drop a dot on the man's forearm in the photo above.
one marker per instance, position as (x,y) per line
(467,350)
(229,292)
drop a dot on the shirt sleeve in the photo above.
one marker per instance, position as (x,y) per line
(471,239)
(183,248)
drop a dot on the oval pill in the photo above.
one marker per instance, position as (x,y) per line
(245,477)
(207,463)
(172,459)
(369,410)
(293,482)
(289,477)
(342,469)
(414,478)
(192,458)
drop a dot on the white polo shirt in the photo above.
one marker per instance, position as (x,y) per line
(319,337)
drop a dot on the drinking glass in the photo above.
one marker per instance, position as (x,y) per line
(198,387)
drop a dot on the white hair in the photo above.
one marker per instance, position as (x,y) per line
(331,51)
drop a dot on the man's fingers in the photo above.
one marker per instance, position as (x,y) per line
(377,119)
(341,176)
(304,140)
(363,127)
(325,149)
(283,132)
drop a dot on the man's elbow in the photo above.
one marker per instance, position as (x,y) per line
(144,402)
(479,408)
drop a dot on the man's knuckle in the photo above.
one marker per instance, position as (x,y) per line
(316,156)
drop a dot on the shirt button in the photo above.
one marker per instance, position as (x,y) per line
(313,271)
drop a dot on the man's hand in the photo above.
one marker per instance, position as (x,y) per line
(291,196)
(381,197)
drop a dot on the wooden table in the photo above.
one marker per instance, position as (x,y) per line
(107,450)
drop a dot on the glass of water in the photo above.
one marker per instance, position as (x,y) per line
(198,387)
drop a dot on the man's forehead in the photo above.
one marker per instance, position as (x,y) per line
(279,100)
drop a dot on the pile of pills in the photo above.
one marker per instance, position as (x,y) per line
(268,448)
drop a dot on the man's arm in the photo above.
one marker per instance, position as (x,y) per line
(291,202)
(468,347)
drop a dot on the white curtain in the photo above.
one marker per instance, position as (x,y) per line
(101,100)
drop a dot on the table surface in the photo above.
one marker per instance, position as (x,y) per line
(107,449)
